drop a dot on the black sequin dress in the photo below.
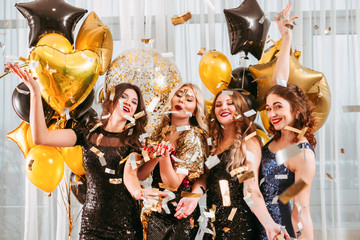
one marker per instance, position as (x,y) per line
(276,180)
(244,225)
(163,226)
(109,210)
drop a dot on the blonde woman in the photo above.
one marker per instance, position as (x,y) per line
(178,159)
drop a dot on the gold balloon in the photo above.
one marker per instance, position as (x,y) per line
(312,82)
(73,157)
(271,53)
(154,74)
(65,79)
(263,136)
(265,120)
(19,136)
(56,41)
(215,71)
(95,36)
(44,166)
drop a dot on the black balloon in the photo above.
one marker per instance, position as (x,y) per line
(249,98)
(21,103)
(242,78)
(84,106)
(247,27)
(78,187)
(49,16)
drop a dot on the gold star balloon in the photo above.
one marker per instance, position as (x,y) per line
(20,137)
(312,82)
(271,53)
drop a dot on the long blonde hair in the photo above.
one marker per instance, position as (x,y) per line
(244,127)
(198,119)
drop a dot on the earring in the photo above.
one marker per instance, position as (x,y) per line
(297,116)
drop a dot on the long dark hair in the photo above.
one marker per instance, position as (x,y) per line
(300,103)
(244,127)
(109,105)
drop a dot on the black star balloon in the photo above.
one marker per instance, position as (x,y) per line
(247,27)
(48,16)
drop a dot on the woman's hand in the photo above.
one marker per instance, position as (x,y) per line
(186,206)
(141,194)
(25,77)
(285,24)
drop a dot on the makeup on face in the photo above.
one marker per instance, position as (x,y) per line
(279,112)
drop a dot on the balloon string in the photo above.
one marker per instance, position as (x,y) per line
(6,73)
(243,78)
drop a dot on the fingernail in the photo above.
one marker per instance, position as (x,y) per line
(144,148)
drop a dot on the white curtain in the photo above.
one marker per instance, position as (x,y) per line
(28,213)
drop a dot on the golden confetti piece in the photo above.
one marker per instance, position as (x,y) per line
(292,191)
(328,30)
(181,18)
(316,27)
(246,176)
(192,223)
(288,25)
(250,136)
(226,229)
(212,161)
(236,116)
(49,195)
(112,94)
(96,126)
(147,40)
(168,187)
(329,176)
(129,125)
(115,180)
(292,129)
(280,237)
(353,108)
(342,150)
(145,155)
(124,160)
(30,164)
(201,51)
(99,138)
(225,192)
(238,170)
(24,59)
(232,214)
(96,151)
(139,114)
(191,195)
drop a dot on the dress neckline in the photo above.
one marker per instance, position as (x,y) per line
(109,134)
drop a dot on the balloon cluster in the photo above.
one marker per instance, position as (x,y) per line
(248,28)
(66,78)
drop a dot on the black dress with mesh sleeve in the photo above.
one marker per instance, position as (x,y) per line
(109,211)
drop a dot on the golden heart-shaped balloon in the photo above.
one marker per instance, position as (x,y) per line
(94,35)
(215,71)
(65,79)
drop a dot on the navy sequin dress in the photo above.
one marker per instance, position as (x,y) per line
(276,180)
(109,210)
(244,225)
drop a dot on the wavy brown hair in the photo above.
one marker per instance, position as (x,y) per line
(244,127)
(300,103)
(109,105)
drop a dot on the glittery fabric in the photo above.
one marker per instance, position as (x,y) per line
(166,226)
(109,211)
(244,224)
(272,187)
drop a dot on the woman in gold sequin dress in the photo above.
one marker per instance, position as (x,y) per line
(109,210)
(181,162)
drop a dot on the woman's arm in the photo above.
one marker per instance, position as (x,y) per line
(253,162)
(281,71)
(187,205)
(41,135)
(304,169)
(168,174)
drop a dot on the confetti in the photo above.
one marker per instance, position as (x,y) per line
(129,118)
(246,176)
(189,113)
(96,151)
(262,19)
(328,30)
(232,214)
(201,51)
(257,79)
(353,108)
(250,113)
(190,195)
(287,153)
(99,138)
(182,171)
(226,229)
(106,116)
(236,116)
(316,27)
(227,92)
(130,132)
(210,5)
(145,155)
(238,170)
(275,199)
(177,159)
(167,55)
(250,136)
(183,128)
(109,171)
(281,176)
(249,201)
(170,196)
(102,161)
(96,126)
(147,40)
(133,162)
(140,114)
(31,162)
(209,214)
(201,219)
(181,18)
(329,176)
(219,85)
(143,136)
(298,206)
(168,187)
(84,56)
(115,180)
(225,192)
(212,161)
(292,191)
(261,181)
(22,91)
(150,108)
(209,141)
(281,82)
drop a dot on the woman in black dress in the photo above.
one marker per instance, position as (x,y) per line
(109,210)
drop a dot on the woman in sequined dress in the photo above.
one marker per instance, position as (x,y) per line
(230,128)
(288,106)
(179,163)
(109,210)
